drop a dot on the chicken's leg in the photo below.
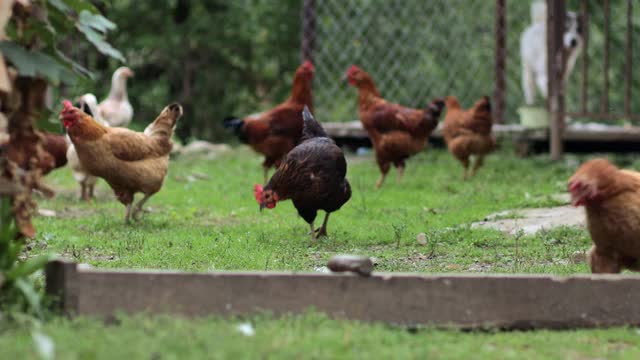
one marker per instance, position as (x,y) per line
(91,187)
(138,209)
(479,162)
(127,216)
(400,169)
(322,231)
(465,163)
(266,174)
(83,192)
(384,169)
(313,232)
(380,180)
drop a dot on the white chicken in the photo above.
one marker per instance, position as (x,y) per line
(88,104)
(116,109)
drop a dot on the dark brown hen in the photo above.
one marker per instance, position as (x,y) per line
(312,175)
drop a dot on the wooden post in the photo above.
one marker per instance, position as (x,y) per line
(500,61)
(556,18)
(61,277)
(308,29)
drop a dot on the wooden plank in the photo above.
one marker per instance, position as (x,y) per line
(468,301)
(61,279)
(353,129)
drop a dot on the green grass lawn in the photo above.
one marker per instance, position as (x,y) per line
(205,218)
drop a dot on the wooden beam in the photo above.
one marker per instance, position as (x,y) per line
(500,61)
(354,130)
(556,18)
(468,301)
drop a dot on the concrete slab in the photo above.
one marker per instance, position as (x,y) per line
(530,221)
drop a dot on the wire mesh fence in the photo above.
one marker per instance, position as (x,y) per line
(417,50)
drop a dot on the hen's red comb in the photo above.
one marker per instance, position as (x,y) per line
(308,64)
(353,68)
(257,191)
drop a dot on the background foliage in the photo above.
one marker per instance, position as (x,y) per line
(222,57)
(215,57)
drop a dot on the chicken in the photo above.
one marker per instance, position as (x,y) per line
(312,175)
(468,132)
(88,104)
(129,161)
(116,109)
(56,146)
(275,132)
(49,154)
(397,132)
(611,198)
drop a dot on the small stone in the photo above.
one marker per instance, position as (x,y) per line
(422,239)
(322,269)
(46,213)
(246,329)
(361,265)
(578,257)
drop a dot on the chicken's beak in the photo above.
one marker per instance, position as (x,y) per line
(262,206)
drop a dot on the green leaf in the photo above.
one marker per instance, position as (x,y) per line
(77,68)
(28,267)
(75,5)
(96,21)
(99,42)
(30,294)
(34,63)
(60,5)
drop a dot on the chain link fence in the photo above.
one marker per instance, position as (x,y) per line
(417,50)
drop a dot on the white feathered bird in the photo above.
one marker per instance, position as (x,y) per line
(88,104)
(116,108)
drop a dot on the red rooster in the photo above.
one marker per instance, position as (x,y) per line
(275,132)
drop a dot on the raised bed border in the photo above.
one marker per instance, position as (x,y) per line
(463,301)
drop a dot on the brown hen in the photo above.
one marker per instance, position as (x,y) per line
(611,198)
(397,132)
(468,132)
(129,161)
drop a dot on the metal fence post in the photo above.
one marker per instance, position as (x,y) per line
(556,14)
(500,61)
(308,29)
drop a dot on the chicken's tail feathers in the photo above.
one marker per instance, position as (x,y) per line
(433,111)
(307,115)
(232,122)
(164,125)
(311,128)
(483,105)
(237,124)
